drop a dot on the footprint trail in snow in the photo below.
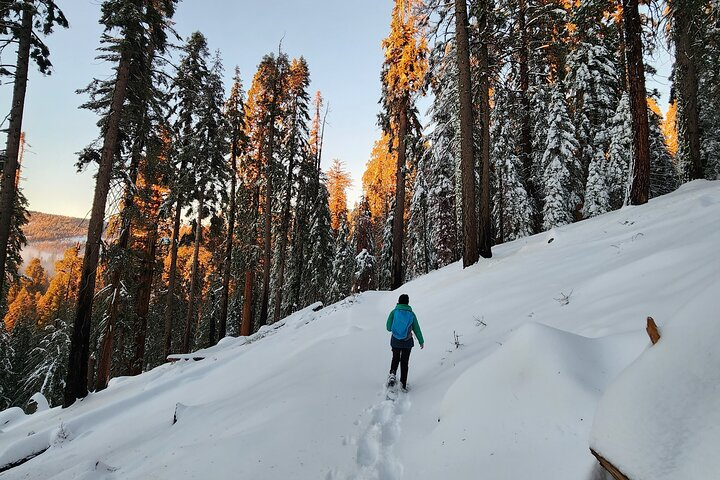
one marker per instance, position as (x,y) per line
(376,459)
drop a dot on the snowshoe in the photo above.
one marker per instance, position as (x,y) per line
(391,380)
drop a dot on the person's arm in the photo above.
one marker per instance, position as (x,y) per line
(389,321)
(417,331)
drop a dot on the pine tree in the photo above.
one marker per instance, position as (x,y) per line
(420,259)
(619,154)
(402,78)
(295,149)
(560,163)
(6,368)
(343,265)
(386,258)
(19,22)
(235,115)
(663,179)
(49,362)
(339,181)
(363,241)
(140,23)
(512,209)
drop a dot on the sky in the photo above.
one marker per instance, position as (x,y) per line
(340,44)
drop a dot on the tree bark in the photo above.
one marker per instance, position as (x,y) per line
(193,280)
(467,154)
(76,383)
(9,184)
(142,306)
(640,186)
(172,274)
(485,235)
(526,148)
(687,85)
(228,243)
(398,227)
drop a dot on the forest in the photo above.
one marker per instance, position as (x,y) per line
(540,117)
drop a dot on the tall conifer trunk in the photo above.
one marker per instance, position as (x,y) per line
(267,237)
(687,85)
(142,307)
(9,185)
(246,326)
(640,186)
(229,242)
(172,273)
(76,383)
(191,315)
(398,227)
(485,234)
(283,238)
(467,154)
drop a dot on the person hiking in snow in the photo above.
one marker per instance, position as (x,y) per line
(402,322)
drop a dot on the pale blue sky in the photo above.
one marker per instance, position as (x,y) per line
(340,41)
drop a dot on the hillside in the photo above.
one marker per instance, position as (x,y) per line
(50,235)
(519,350)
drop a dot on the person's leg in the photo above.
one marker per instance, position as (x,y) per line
(395,360)
(404,363)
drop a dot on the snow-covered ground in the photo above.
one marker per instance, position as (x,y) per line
(543,328)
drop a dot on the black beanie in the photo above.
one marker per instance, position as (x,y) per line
(404,299)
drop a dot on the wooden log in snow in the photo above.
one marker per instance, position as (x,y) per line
(652,330)
(609,467)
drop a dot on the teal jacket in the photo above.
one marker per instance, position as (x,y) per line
(415,324)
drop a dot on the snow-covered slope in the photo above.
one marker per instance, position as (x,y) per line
(543,327)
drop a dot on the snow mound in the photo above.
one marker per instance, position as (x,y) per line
(525,406)
(660,419)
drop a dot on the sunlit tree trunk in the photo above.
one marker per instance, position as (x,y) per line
(398,228)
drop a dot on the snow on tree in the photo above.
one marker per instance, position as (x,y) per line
(512,207)
(418,251)
(560,165)
(343,265)
(49,364)
(663,178)
(619,153)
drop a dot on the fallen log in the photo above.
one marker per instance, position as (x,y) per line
(609,467)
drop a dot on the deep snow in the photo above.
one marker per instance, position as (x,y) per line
(544,327)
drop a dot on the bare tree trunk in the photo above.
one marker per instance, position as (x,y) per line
(172,275)
(526,148)
(9,185)
(76,383)
(246,325)
(398,227)
(193,280)
(687,86)
(228,244)
(640,187)
(485,234)
(467,154)
(142,307)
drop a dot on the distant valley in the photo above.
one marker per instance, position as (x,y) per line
(50,235)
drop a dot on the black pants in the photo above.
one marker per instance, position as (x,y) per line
(400,356)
